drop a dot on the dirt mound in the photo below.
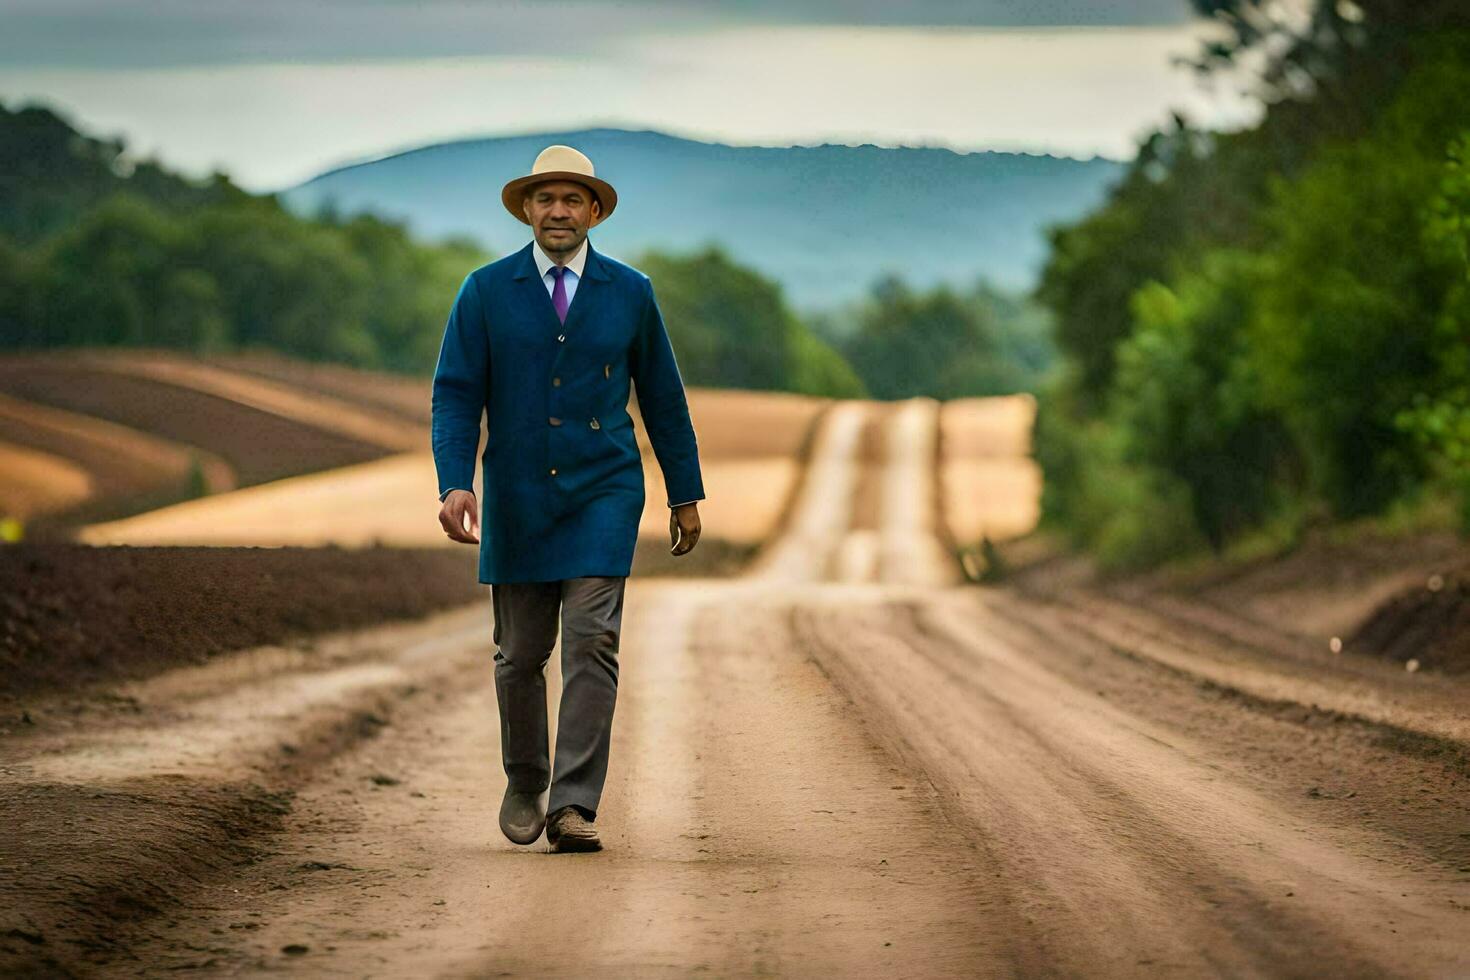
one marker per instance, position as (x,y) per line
(1425,626)
(74,614)
(82,876)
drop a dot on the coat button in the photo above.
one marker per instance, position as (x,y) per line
(553,471)
(561,336)
(607,370)
(556,382)
(554,420)
(595,424)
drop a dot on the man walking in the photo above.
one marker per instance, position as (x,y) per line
(545,343)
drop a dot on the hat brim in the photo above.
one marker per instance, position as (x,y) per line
(513,194)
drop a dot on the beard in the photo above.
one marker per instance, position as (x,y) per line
(562,243)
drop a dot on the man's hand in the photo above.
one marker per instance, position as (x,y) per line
(457,505)
(684,528)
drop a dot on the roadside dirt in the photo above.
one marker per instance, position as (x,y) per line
(1325,587)
(74,615)
(839,763)
(1426,624)
(1337,599)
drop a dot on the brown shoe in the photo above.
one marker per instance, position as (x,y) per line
(568,830)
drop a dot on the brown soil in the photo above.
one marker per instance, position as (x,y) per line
(1358,594)
(1325,586)
(259,445)
(309,408)
(131,873)
(37,482)
(1427,624)
(129,470)
(1340,597)
(72,614)
(878,776)
(406,396)
(711,557)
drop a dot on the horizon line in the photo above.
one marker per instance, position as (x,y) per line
(686,136)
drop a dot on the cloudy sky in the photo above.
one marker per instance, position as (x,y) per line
(274,91)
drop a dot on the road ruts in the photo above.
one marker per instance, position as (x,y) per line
(845,763)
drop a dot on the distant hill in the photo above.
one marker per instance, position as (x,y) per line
(822,221)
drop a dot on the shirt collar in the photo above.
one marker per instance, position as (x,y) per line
(544,263)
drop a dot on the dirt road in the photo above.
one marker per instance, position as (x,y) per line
(845,763)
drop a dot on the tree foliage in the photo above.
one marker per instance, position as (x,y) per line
(1273,323)
(97,248)
(733,329)
(946,343)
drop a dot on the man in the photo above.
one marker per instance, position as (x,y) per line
(546,342)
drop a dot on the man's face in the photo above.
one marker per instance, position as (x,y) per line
(560,212)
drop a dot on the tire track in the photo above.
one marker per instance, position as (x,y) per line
(1125,845)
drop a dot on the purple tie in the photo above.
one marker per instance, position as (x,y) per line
(559,292)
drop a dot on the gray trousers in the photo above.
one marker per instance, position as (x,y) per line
(590,610)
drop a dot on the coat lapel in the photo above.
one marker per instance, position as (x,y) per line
(537,298)
(593,274)
(533,291)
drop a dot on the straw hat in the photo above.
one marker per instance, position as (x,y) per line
(559,162)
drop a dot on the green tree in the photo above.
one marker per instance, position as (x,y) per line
(1305,350)
(945,343)
(1186,400)
(1350,325)
(733,329)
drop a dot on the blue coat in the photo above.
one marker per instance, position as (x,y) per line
(563,488)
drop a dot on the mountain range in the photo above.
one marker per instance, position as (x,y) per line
(825,221)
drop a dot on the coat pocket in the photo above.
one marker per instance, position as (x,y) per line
(620,434)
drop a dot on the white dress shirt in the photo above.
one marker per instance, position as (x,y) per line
(571,277)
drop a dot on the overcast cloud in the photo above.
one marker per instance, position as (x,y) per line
(275,91)
(160,33)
